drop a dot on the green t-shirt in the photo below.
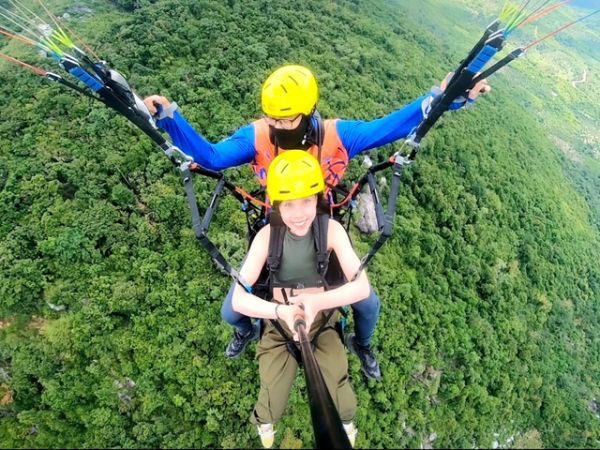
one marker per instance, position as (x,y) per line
(299,260)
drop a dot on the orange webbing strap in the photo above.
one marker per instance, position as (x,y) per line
(244,194)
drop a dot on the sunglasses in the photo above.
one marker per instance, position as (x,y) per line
(285,123)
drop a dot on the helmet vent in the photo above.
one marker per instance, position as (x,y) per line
(289,90)
(294,174)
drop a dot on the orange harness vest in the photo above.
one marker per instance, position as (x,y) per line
(334,157)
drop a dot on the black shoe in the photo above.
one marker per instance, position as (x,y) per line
(238,343)
(368,363)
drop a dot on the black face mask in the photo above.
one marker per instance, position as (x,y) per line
(291,139)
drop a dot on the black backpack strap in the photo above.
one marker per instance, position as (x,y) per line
(319,132)
(275,243)
(320,227)
(273,265)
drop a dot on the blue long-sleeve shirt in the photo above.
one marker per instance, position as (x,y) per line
(356,136)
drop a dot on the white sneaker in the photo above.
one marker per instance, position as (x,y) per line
(351,431)
(267,434)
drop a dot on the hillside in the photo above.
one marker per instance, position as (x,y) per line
(110,328)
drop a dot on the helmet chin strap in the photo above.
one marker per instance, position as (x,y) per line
(315,131)
(314,114)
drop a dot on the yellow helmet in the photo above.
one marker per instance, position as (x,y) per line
(289,91)
(294,174)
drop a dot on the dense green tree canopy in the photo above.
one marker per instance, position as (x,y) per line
(110,330)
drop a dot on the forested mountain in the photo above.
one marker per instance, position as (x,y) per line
(110,327)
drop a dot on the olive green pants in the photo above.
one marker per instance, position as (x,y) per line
(278,368)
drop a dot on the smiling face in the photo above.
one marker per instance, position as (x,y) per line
(298,215)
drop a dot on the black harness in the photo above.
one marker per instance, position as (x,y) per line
(328,268)
(319,228)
